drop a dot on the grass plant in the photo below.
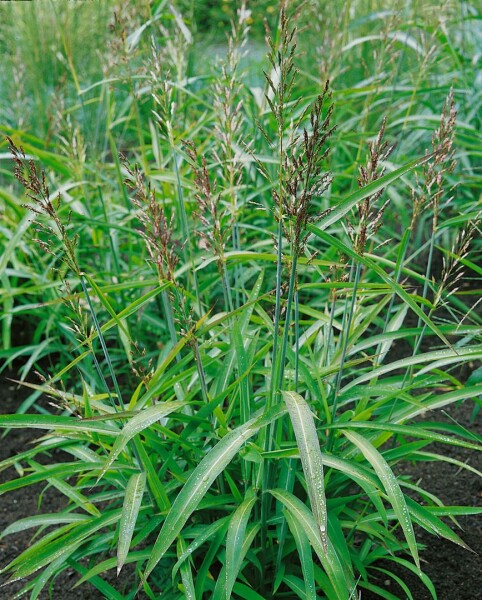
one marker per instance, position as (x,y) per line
(245,286)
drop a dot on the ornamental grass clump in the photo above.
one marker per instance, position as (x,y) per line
(248,353)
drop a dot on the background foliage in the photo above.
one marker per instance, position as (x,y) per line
(248,267)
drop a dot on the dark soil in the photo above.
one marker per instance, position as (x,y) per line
(22,503)
(455,572)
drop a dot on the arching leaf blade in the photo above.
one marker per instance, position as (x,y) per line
(200,481)
(391,486)
(235,539)
(304,552)
(309,447)
(341,581)
(141,421)
(130,510)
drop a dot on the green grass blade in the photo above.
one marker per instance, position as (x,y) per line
(141,421)
(220,591)
(243,591)
(438,401)
(130,511)
(111,563)
(66,469)
(309,446)
(341,581)
(72,493)
(304,552)
(394,324)
(198,484)
(199,540)
(440,457)
(235,539)
(426,517)
(186,572)
(156,487)
(412,430)
(391,486)
(433,524)
(42,578)
(42,520)
(57,423)
(436,359)
(14,241)
(108,592)
(425,580)
(65,546)
(12,203)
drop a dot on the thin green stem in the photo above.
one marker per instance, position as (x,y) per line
(409,373)
(346,338)
(102,343)
(277,315)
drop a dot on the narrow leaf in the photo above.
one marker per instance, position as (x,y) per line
(130,510)
(42,520)
(141,421)
(235,539)
(394,325)
(186,573)
(310,454)
(56,422)
(111,563)
(30,560)
(392,488)
(208,532)
(199,482)
(304,552)
(341,580)
(220,591)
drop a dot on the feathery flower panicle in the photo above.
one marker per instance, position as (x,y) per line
(37,190)
(302,147)
(369,215)
(209,202)
(157,226)
(305,178)
(432,188)
(442,144)
(229,116)
(452,265)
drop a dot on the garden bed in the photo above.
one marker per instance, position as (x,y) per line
(24,502)
(456,573)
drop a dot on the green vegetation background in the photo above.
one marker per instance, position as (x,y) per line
(252,264)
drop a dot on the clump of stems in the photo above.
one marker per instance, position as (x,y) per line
(301,179)
(369,221)
(37,189)
(163,249)
(300,182)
